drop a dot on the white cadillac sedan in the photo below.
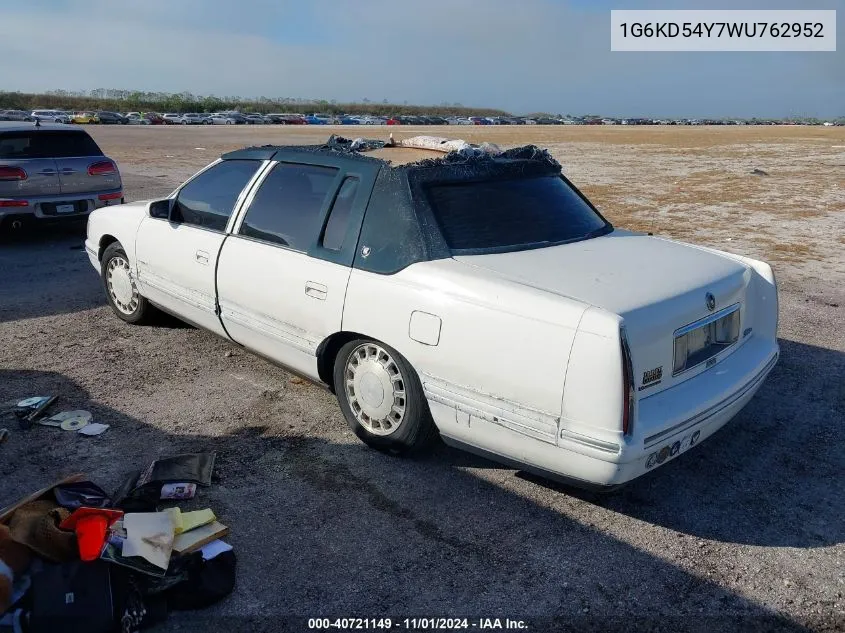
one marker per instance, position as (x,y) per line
(438,287)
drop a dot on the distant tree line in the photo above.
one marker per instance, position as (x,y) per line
(138,101)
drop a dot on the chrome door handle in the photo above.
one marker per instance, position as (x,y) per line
(315,290)
(68,170)
(47,172)
(202,257)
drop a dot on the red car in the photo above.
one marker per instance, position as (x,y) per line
(156,119)
(394,120)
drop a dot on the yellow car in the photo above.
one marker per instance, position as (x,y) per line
(84,117)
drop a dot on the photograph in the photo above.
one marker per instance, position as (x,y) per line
(429,315)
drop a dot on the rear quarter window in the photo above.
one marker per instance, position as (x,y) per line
(47,144)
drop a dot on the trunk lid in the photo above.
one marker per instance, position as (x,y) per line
(74,176)
(41,179)
(655,285)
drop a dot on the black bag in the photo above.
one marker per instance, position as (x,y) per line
(142,490)
(208,581)
(81,494)
(72,597)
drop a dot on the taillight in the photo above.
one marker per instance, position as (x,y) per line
(14,203)
(627,385)
(110,196)
(102,168)
(12,173)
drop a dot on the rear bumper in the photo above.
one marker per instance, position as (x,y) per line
(43,207)
(667,425)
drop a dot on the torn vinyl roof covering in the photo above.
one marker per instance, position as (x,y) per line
(420,151)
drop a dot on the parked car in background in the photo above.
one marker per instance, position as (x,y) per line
(156,119)
(633,349)
(237,117)
(313,119)
(254,118)
(191,118)
(111,118)
(53,171)
(219,118)
(172,118)
(349,120)
(371,120)
(136,118)
(85,117)
(479,120)
(288,119)
(20,115)
(394,120)
(46,116)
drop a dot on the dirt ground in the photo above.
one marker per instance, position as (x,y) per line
(746,532)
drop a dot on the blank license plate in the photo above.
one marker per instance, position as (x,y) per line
(65,208)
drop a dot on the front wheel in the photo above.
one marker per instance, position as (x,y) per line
(381,398)
(121,290)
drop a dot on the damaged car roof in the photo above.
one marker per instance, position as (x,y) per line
(418,151)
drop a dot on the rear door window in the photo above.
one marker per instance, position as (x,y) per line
(47,144)
(286,208)
(502,215)
(208,200)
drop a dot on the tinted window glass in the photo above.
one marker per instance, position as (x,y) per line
(47,144)
(509,214)
(339,216)
(286,209)
(208,200)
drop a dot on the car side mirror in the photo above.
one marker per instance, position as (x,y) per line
(161,209)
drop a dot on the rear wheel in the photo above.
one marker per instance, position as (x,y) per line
(381,397)
(121,290)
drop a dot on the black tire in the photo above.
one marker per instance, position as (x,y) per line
(143,310)
(416,429)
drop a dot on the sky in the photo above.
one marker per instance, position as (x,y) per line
(519,55)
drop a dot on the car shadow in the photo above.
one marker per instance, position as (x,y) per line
(29,289)
(323,528)
(773,476)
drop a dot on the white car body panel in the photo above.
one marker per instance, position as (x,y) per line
(280,302)
(492,323)
(175,269)
(520,354)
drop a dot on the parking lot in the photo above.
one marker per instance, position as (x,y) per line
(745,532)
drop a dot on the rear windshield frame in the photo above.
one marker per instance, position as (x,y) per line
(421,186)
(96,151)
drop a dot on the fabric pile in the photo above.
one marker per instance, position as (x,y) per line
(75,557)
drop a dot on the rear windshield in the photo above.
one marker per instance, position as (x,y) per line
(504,215)
(47,144)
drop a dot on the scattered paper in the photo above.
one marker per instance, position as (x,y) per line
(193,520)
(95,428)
(150,536)
(176,517)
(215,548)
